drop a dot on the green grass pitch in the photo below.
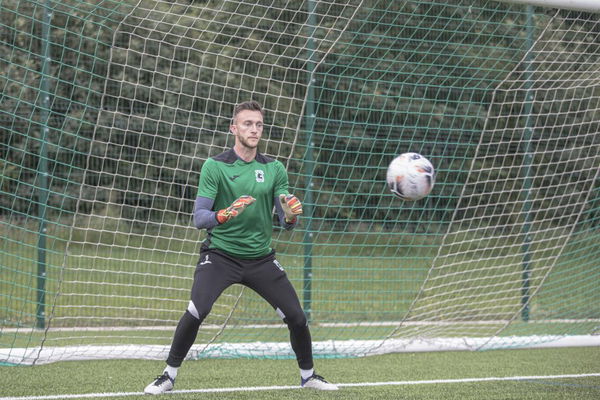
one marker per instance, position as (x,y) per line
(502,374)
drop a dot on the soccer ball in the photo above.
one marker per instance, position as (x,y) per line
(410,176)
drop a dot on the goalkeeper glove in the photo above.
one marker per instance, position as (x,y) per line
(235,209)
(291,207)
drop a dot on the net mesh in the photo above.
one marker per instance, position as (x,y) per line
(110,108)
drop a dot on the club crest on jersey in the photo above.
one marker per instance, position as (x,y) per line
(260,175)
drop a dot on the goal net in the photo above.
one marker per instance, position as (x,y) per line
(110,108)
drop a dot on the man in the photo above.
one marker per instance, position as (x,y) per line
(237,248)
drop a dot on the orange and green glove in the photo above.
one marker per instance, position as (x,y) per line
(235,209)
(291,207)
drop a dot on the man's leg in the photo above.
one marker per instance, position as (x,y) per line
(269,280)
(212,276)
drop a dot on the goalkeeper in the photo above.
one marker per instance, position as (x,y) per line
(236,195)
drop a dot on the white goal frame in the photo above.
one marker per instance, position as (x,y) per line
(576,5)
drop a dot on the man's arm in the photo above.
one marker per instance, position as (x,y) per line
(281,216)
(204,217)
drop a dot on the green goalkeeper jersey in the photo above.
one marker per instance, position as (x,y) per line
(225,178)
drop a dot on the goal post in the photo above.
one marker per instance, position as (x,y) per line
(110,108)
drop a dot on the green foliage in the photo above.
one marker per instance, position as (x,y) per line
(407,76)
(134,101)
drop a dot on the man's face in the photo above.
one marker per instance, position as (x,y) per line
(247,128)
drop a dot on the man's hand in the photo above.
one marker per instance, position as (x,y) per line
(291,207)
(235,209)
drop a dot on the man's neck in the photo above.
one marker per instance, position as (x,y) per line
(245,153)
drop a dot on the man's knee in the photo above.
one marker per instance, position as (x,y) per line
(294,319)
(198,312)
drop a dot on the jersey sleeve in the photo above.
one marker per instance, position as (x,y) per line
(204,217)
(281,181)
(209,184)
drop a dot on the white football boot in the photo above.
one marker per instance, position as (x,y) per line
(317,382)
(161,384)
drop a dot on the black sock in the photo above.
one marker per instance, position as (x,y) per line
(184,338)
(302,345)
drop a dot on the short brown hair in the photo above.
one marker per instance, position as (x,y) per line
(251,105)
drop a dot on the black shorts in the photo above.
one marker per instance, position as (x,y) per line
(216,271)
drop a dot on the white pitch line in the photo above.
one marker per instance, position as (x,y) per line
(265,388)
